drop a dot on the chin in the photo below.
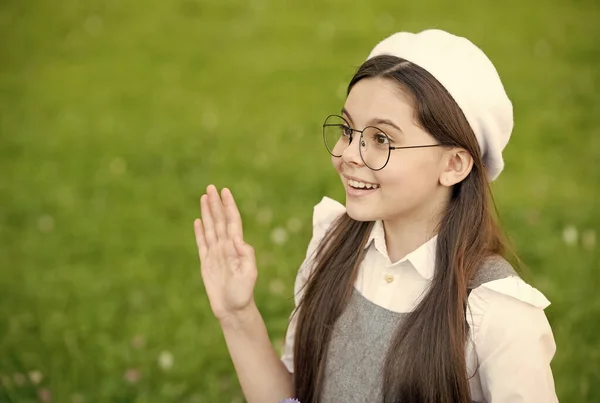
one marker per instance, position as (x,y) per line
(358,214)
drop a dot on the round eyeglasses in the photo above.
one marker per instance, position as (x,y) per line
(374,149)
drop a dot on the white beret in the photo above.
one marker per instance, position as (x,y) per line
(470,78)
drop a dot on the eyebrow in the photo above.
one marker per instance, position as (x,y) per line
(377,121)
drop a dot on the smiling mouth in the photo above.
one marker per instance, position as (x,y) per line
(361,185)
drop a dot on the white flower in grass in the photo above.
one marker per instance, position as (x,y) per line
(35,376)
(165,360)
(118,166)
(542,48)
(107,123)
(276,286)
(19,379)
(267,259)
(6,381)
(385,22)
(294,224)
(326,30)
(46,223)
(93,25)
(138,342)
(261,160)
(195,399)
(588,239)
(264,216)
(210,120)
(249,206)
(570,235)
(279,236)
(44,395)
(65,196)
(170,72)
(224,383)
(259,5)
(132,375)
(77,398)
(532,217)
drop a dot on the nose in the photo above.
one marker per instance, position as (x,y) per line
(351,155)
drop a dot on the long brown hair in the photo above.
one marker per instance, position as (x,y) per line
(426,360)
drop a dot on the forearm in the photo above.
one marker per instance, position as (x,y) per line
(262,375)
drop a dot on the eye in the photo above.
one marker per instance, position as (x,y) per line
(346,131)
(381,139)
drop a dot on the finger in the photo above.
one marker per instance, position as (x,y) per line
(207,221)
(232,256)
(200,240)
(228,249)
(216,207)
(232,215)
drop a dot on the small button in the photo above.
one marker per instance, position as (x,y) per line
(389,278)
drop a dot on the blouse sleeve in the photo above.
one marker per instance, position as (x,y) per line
(513,342)
(323,216)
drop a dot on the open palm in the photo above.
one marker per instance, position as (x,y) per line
(227,263)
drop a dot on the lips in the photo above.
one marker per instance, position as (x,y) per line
(355,192)
(356,187)
(359,183)
(362,185)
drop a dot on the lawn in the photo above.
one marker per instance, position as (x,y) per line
(115,115)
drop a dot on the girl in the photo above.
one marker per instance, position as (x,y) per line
(404,295)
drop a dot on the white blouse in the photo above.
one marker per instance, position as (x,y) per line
(510,337)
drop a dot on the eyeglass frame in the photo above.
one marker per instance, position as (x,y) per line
(391,148)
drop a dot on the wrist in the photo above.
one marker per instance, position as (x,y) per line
(240,318)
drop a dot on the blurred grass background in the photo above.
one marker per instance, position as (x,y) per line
(115,115)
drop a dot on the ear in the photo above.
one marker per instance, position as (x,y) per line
(457,164)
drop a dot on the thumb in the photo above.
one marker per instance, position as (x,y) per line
(244,250)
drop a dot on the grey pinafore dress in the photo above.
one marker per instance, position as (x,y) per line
(361,338)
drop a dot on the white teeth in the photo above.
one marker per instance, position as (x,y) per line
(362,185)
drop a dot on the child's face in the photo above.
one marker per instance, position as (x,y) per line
(409,184)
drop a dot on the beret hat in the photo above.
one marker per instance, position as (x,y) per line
(469,77)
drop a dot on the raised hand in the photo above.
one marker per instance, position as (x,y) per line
(227,263)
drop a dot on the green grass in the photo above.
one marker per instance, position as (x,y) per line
(115,115)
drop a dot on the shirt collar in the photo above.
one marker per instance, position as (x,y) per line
(422,258)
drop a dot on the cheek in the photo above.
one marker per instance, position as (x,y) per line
(337,163)
(409,178)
